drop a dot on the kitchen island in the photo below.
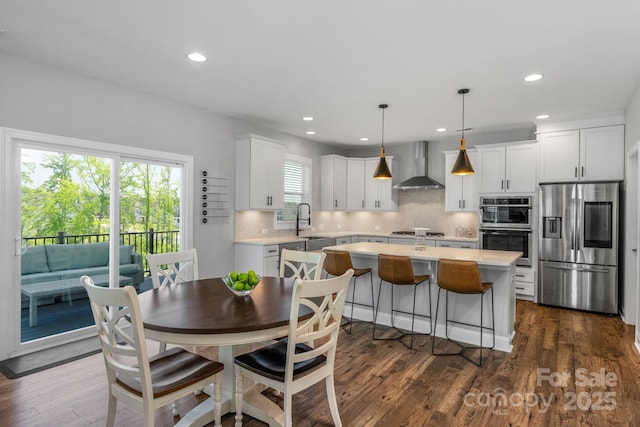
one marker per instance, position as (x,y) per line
(495,266)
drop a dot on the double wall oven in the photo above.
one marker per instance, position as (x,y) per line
(506,225)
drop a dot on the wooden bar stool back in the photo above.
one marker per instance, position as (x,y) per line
(398,270)
(463,277)
(336,264)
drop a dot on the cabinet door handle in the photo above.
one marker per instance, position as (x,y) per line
(575,172)
(464,204)
(335,203)
(519,275)
(507,184)
(582,170)
(363,203)
(502,184)
(459,204)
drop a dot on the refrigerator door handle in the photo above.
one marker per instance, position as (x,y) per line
(587,270)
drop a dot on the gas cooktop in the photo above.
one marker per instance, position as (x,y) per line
(413,233)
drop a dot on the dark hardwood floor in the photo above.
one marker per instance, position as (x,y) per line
(382,383)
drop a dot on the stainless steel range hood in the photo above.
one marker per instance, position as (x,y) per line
(421,180)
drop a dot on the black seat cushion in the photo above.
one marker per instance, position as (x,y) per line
(270,360)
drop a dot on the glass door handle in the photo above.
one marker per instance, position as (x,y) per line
(20,246)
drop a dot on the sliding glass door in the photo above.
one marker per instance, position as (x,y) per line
(86,211)
(65,229)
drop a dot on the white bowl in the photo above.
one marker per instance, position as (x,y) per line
(243,293)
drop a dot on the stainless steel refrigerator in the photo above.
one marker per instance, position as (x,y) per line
(578,251)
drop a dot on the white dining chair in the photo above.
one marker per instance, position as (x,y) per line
(291,366)
(170,268)
(173,267)
(301,265)
(141,382)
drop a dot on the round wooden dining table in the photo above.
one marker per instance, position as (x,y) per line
(206,312)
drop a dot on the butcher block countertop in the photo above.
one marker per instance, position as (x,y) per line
(482,257)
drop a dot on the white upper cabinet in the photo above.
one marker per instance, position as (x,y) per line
(355,184)
(361,192)
(590,154)
(259,173)
(333,186)
(507,168)
(521,168)
(602,154)
(378,193)
(460,190)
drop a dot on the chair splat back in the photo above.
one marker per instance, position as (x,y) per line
(304,265)
(173,267)
(326,299)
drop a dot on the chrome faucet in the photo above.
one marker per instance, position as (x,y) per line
(298,216)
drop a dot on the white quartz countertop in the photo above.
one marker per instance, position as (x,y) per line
(482,257)
(276,240)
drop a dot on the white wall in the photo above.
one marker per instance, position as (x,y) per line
(43,99)
(629,289)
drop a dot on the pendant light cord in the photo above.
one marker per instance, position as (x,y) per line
(382,127)
(462,115)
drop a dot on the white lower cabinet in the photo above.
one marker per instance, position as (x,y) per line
(525,283)
(407,241)
(343,240)
(376,239)
(456,244)
(263,259)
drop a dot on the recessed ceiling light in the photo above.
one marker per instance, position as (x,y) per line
(307,118)
(441,130)
(533,77)
(542,116)
(364,139)
(196,57)
(311,132)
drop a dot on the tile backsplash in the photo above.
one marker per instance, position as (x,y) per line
(416,208)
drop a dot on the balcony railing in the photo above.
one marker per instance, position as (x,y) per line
(143,242)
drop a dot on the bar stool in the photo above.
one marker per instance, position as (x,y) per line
(398,270)
(336,264)
(463,277)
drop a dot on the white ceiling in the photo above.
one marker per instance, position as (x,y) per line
(271,62)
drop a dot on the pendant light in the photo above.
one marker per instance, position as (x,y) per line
(462,166)
(382,171)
